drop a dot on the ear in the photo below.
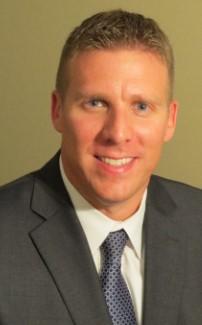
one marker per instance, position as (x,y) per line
(172,120)
(56,111)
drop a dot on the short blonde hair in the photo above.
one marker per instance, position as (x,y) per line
(116,29)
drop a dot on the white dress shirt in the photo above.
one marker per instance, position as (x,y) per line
(97,226)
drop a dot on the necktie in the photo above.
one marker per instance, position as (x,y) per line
(114,287)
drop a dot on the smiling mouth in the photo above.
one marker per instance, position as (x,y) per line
(118,162)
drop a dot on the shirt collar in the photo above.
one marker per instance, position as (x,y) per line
(97,226)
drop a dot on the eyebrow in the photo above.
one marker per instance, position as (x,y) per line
(81,95)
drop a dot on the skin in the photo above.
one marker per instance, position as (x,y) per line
(116,106)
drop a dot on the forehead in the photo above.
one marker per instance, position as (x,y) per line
(114,54)
(107,69)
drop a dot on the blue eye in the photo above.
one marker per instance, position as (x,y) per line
(142,106)
(96,103)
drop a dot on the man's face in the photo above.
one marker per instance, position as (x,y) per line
(114,119)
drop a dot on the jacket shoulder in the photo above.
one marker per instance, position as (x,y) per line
(16,192)
(181,193)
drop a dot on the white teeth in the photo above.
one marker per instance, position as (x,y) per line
(116,162)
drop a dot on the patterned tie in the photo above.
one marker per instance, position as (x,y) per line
(114,287)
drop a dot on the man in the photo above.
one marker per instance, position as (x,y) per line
(114,108)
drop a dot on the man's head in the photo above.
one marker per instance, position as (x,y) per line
(113,108)
(111,30)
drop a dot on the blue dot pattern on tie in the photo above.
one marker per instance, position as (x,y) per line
(115,290)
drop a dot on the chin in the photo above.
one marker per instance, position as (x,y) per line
(112,198)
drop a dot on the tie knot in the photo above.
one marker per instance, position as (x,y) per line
(113,246)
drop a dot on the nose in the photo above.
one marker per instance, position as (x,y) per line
(118,126)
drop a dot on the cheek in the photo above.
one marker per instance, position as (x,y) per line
(79,133)
(151,135)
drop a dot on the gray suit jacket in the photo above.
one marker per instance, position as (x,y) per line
(47,275)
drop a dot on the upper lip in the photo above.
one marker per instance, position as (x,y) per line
(115,158)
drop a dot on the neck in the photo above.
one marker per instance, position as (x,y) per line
(120,211)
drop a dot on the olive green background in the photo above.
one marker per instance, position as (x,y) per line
(32,33)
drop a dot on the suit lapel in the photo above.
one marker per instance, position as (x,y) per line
(164,258)
(63,247)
